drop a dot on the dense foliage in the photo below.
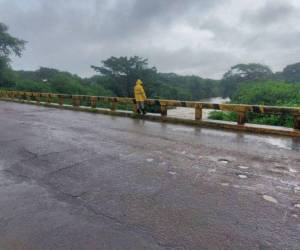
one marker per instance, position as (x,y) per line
(268,93)
(271,92)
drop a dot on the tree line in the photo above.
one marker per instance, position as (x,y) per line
(116,77)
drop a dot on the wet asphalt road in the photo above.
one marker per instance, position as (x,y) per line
(74,180)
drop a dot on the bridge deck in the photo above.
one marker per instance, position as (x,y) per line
(73,180)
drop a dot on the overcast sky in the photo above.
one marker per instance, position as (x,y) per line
(202,37)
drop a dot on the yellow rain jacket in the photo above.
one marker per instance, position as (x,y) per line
(139,92)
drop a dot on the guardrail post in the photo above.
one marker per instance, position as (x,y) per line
(27,97)
(198,112)
(38,98)
(23,96)
(93,102)
(113,105)
(241,118)
(61,100)
(49,98)
(297,122)
(134,108)
(163,109)
(76,101)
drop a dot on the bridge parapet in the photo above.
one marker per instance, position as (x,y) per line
(77,101)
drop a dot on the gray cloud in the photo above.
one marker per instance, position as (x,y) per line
(203,37)
(271,12)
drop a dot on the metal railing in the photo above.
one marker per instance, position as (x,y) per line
(77,100)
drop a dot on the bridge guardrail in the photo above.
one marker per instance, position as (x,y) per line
(77,100)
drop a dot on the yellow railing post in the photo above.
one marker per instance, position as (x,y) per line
(113,105)
(28,95)
(241,118)
(20,96)
(297,122)
(76,101)
(163,109)
(49,98)
(93,102)
(38,98)
(134,108)
(198,112)
(61,100)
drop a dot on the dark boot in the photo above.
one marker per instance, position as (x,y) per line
(144,111)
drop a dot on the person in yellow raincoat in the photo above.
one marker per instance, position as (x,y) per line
(140,97)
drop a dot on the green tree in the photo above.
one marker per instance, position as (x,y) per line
(291,73)
(32,86)
(9,46)
(64,83)
(123,73)
(242,73)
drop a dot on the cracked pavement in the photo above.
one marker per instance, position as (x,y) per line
(75,180)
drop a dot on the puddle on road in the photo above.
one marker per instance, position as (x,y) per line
(223,161)
(225,184)
(270,199)
(279,142)
(296,189)
(293,170)
(243,167)
(183,129)
(283,143)
(279,167)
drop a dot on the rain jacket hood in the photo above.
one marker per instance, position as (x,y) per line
(139,81)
